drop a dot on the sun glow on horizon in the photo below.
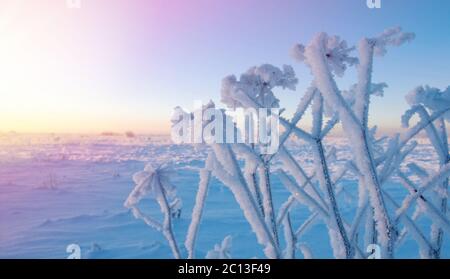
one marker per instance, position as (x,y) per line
(57,69)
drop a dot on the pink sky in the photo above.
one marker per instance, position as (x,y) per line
(121,65)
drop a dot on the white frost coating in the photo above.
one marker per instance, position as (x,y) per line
(440,221)
(156,183)
(331,123)
(338,236)
(236,182)
(328,56)
(435,101)
(408,135)
(374,163)
(422,241)
(296,130)
(289,252)
(147,185)
(394,164)
(439,177)
(336,51)
(147,220)
(301,109)
(360,214)
(223,155)
(430,97)
(364,88)
(311,221)
(306,251)
(284,209)
(264,187)
(222,251)
(301,195)
(416,169)
(293,168)
(317,112)
(252,159)
(298,52)
(254,88)
(362,94)
(303,105)
(320,64)
(431,130)
(435,215)
(205,176)
(422,99)
(251,179)
(392,36)
(424,205)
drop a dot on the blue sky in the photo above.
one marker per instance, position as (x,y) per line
(123,65)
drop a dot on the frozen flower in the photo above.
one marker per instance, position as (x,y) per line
(430,97)
(331,48)
(254,88)
(392,36)
(149,182)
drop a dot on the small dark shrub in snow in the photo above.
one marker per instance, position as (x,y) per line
(130,134)
(109,134)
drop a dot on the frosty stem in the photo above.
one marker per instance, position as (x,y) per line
(197,212)
(357,134)
(167,223)
(438,138)
(437,233)
(265,188)
(227,170)
(335,218)
(324,178)
(363,87)
(257,193)
(289,237)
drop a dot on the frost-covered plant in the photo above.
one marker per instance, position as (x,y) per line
(379,218)
(373,166)
(427,102)
(328,56)
(254,88)
(221,251)
(222,163)
(155,182)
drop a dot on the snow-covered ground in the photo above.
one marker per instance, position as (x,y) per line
(56,190)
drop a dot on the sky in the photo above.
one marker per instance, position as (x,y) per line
(119,65)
